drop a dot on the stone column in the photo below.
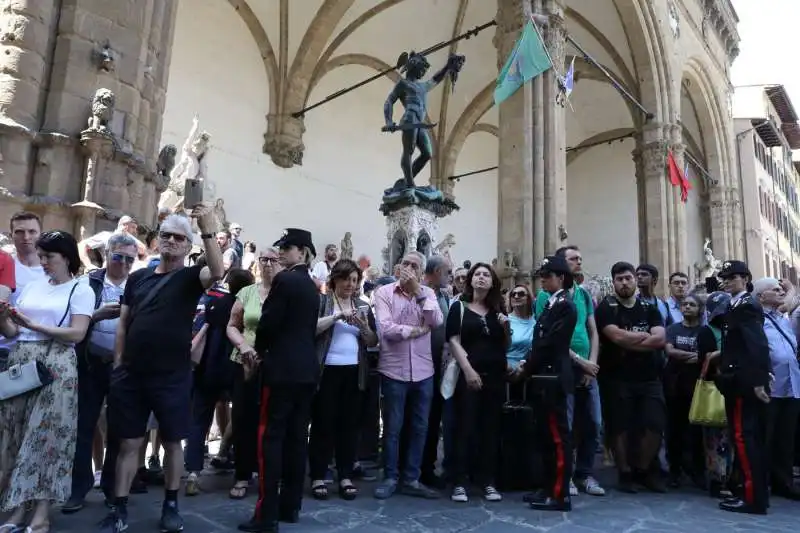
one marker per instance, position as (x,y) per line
(519,156)
(99,147)
(650,157)
(555,138)
(677,246)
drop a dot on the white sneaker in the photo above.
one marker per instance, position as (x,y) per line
(97,476)
(459,495)
(490,494)
(591,487)
(573,490)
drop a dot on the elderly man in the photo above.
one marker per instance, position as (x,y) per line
(406,312)
(95,356)
(236,242)
(152,363)
(783,409)
(97,244)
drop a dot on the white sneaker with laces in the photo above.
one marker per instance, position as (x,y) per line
(459,495)
(573,490)
(591,487)
(490,494)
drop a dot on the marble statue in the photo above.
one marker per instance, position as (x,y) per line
(710,265)
(220,214)
(164,165)
(102,109)
(346,247)
(193,165)
(443,248)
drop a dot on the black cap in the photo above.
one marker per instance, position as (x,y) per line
(733,268)
(296,237)
(554,264)
(717,304)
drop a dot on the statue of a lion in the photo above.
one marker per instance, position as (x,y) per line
(102,109)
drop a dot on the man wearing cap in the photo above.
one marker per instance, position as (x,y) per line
(549,360)
(285,345)
(745,380)
(97,244)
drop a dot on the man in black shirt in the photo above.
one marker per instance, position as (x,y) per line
(152,365)
(631,336)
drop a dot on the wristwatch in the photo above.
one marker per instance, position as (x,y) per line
(205,236)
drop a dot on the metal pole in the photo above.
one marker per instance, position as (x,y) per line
(614,82)
(466,35)
(481,171)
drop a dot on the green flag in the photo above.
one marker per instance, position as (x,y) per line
(528,59)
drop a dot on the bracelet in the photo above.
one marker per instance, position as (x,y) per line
(205,236)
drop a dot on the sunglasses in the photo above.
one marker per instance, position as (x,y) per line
(177,237)
(267,260)
(121,258)
(519,294)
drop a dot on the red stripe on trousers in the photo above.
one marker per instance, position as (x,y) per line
(738,437)
(262,428)
(558,488)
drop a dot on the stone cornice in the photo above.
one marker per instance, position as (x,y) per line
(723,19)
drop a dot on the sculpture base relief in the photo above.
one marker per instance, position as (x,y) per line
(410,228)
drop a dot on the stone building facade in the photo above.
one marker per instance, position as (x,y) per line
(165,60)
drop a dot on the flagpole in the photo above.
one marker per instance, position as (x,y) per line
(544,45)
(699,167)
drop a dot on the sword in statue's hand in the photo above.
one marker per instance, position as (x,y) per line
(391,128)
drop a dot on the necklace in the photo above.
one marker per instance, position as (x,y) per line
(338,303)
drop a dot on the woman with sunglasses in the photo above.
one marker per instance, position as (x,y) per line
(521,322)
(242,334)
(477,331)
(38,430)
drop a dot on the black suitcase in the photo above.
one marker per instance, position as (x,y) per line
(519,461)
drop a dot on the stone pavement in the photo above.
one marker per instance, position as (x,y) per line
(685,511)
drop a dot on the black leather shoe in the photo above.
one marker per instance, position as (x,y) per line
(738,506)
(73,505)
(786,492)
(535,496)
(290,516)
(257,526)
(551,504)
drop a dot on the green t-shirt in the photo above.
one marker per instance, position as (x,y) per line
(585,308)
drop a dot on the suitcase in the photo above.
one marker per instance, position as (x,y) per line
(519,461)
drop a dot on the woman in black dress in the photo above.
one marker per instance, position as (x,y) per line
(477,330)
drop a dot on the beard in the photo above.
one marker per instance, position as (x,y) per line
(625,292)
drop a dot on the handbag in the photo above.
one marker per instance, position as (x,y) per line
(708,403)
(452,370)
(23,378)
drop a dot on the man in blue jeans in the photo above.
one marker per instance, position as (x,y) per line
(584,404)
(406,311)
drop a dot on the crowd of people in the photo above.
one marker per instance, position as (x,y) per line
(114,343)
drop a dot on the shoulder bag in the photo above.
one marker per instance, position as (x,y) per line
(451,371)
(23,378)
(708,403)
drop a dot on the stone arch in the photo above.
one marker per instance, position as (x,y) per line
(485,127)
(264,46)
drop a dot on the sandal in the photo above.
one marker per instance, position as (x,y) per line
(238,491)
(319,491)
(348,491)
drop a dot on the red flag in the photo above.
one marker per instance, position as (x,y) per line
(676,177)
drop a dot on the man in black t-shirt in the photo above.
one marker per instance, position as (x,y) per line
(152,364)
(631,335)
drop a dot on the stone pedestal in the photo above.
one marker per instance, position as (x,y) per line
(98,145)
(409,229)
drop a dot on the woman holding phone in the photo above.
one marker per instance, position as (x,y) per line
(344,332)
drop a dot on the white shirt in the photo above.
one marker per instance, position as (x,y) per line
(45,304)
(105,332)
(24,275)
(344,345)
(320,272)
(99,240)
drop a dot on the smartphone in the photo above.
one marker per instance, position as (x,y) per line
(193,194)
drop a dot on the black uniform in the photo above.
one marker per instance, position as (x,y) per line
(744,365)
(550,363)
(290,371)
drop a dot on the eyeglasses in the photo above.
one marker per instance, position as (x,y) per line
(177,237)
(121,258)
(267,260)
(518,294)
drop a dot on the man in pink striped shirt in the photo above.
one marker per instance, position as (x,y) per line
(406,311)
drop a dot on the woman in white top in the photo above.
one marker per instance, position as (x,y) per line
(38,429)
(343,336)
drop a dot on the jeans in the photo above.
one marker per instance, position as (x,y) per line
(395,395)
(584,406)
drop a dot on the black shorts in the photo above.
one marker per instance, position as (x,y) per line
(636,406)
(133,396)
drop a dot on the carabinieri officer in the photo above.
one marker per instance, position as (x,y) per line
(744,380)
(550,366)
(285,344)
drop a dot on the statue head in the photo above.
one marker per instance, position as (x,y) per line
(417,65)
(102,101)
(219,203)
(347,236)
(201,144)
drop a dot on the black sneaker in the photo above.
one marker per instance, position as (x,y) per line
(73,505)
(171,521)
(154,464)
(113,523)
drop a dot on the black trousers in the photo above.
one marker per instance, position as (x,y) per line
(283,439)
(683,437)
(782,414)
(369,433)
(430,453)
(244,420)
(554,437)
(334,422)
(477,430)
(746,423)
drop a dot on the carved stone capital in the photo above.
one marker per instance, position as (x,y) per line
(284,140)
(651,158)
(98,143)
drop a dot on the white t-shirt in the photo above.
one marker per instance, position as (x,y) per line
(344,345)
(99,241)
(24,275)
(321,272)
(45,304)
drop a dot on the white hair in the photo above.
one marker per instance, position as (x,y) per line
(423,261)
(120,240)
(178,222)
(764,285)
